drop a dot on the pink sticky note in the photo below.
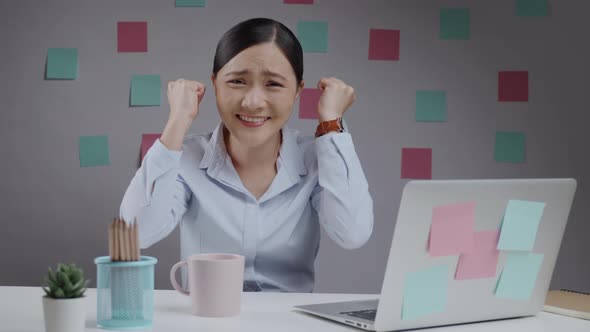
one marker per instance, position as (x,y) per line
(482,262)
(308,103)
(147,140)
(513,86)
(384,44)
(132,37)
(452,229)
(416,163)
(300,2)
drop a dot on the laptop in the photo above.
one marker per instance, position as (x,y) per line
(472,299)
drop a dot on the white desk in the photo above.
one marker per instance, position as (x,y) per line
(21,310)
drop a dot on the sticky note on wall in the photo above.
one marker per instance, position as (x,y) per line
(454,23)
(384,44)
(520,225)
(513,86)
(425,292)
(308,103)
(132,37)
(145,90)
(452,229)
(62,64)
(509,147)
(94,151)
(147,140)
(431,106)
(190,3)
(416,163)
(313,36)
(519,275)
(532,8)
(482,262)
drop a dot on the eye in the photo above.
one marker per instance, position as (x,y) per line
(236,81)
(275,84)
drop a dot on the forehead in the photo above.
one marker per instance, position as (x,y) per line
(260,58)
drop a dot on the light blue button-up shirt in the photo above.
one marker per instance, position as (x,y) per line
(319,181)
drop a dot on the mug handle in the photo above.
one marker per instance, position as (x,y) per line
(173,278)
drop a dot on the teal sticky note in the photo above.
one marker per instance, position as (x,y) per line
(431,106)
(62,64)
(190,3)
(520,224)
(519,275)
(145,90)
(313,36)
(509,147)
(531,8)
(454,23)
(425,292)
(94,151)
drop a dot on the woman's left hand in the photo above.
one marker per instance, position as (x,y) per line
(335,99)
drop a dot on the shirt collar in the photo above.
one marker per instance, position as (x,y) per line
(290,154)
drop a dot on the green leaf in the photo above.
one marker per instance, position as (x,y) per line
(59,293)
(61,278)
(51,277)
(47,292)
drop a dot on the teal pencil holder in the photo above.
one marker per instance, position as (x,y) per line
(125,293)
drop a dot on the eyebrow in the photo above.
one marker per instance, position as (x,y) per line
(265,72)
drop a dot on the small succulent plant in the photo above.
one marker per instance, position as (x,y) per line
(67,282)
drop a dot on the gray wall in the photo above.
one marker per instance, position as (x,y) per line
(53,210)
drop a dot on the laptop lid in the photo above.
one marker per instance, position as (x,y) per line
(436,275)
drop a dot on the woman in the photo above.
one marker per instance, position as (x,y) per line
(254,187)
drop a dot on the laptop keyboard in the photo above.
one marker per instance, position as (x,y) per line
(364,314)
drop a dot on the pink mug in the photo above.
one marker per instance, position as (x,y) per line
(215,283)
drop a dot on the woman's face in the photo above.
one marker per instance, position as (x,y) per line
(255,92)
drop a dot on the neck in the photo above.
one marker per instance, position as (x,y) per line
(248,157)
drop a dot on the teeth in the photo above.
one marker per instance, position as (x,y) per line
(250,119)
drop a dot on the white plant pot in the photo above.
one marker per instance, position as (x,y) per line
(64,315)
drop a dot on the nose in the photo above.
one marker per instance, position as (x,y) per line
(254,99)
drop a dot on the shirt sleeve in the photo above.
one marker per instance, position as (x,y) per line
(341,197)
(157,196)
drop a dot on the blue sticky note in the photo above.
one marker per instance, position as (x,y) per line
(531,8)
(190,3)
(145,90)
(313,36)
(431,106)
(520,224)
(94,151)
(454,23)
(62,64)
(509,147)
(519,275)
(425,292)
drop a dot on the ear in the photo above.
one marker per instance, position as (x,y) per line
(300,88)
(213,79)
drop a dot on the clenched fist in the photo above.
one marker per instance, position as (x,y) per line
(335,99)
(184,97)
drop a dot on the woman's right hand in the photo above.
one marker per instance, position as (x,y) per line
(184,97)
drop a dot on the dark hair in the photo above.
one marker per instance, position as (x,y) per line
(257,31)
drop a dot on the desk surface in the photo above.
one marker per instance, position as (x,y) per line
(21,310)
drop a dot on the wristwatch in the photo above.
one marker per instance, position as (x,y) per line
(325,127)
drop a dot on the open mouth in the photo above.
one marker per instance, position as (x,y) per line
(252,121)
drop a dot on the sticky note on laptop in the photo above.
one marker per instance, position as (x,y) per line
(425,292)
(483,261)
(452,229)
(520,225)
(519,275)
